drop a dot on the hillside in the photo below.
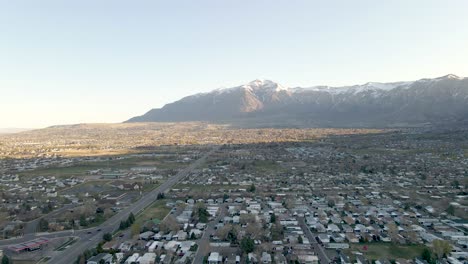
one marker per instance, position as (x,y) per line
(266,103)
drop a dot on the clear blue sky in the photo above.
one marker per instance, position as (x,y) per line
(67,62)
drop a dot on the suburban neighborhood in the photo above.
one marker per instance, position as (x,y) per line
(341,199)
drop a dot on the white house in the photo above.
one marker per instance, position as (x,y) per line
(215,258)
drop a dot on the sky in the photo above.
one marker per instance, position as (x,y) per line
(88,61)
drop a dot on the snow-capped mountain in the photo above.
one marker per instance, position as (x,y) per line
(443,99)
(370,86)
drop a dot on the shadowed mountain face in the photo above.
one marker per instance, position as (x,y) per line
(261,102)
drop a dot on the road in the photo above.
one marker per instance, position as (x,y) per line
(32,226)
(318,249)
(31,229)
(88,241)
(28,237)
(204,242)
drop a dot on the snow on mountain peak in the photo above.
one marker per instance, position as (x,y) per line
(450,76)
(355,89)
(445,77)
(258,85)
(384,86)
(261,84)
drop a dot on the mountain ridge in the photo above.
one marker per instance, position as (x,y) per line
(371,104)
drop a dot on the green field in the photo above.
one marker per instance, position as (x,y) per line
(77,170)
(389,251)
(157,210)
(149,187)
(124,164)
(206,188)
(266,166)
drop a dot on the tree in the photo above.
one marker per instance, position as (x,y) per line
(232,236)
(26,207)
(135,229)
(83,221)
(131,218)
(300,240)
(169,224)
(99,248)
(456,184)
(451,210)
(107,237)
(427,255)
(194,248)
(247,245)
(255,230)
(228,233)
(273,218)
(5,260)
(201,212)
(247,219)
(99,218)
(252,188)
(277,231)
(193,236)
(43,225)
(72,223)
(88,253)
(123,225)
(441,247)
(223,232)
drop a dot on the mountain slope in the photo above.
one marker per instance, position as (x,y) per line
(438,100)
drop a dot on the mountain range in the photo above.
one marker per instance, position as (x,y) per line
(267,103)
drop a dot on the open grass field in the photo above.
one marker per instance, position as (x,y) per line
(389,251)
(149,187)
(208,188)
(266,166)
(158,210)
(203,191)
(123,164)
(65,172)
(88,187)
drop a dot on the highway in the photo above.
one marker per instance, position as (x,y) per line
(28,237)
(89,241)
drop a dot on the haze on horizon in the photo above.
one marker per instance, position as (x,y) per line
(84,62)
